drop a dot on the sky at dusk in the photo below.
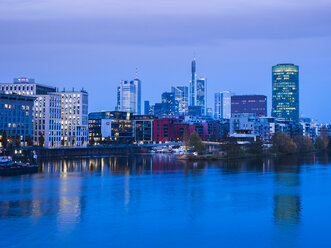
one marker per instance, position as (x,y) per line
(97,43)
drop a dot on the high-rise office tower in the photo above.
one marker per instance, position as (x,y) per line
(223,105)
(201,94)
(193,83)
(137,82)
(285,91)
(129,96)
(181,98)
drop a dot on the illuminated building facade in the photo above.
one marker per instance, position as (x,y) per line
(170,104)
(201,96)
(16,118)
(26,87)
(198,90)
(129,96)
(193,83)
(143,128)
(285,92)
(114,127)
(249,104)
(181,98)
(74,118)
(44,114)
(47,120)
(223,105)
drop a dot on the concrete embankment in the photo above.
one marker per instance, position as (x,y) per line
(43,153)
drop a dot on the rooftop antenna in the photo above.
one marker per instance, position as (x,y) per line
(136,72)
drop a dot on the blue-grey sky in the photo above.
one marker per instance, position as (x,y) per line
(96,43)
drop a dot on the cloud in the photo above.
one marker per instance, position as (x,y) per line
(159,23)
(58,9)
(169,29)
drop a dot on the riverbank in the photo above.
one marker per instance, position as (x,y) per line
(210,157)
(23,154)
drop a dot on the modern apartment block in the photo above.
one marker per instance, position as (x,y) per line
(74,118)
(47,120)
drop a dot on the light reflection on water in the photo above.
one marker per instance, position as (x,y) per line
(148,201)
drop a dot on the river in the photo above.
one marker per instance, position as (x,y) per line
(156,201)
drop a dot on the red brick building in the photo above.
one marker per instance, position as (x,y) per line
(168,130)
(174,129)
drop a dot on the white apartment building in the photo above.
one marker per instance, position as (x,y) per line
(47,120)
(74,118)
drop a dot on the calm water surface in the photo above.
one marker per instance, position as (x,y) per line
(155,201)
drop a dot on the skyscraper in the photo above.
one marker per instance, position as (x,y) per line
(181,98)
(285,91)
(129,96)
(137,82)
(223,105)
(201,94)
(193,83)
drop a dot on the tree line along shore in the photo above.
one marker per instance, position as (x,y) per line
(280,143)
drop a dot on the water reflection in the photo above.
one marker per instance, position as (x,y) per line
(157,189)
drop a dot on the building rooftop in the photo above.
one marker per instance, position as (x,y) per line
(16,97)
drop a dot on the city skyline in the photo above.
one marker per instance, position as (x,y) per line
(89,44)
(210,104)
(121,119)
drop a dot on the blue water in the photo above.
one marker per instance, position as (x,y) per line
(155,201)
